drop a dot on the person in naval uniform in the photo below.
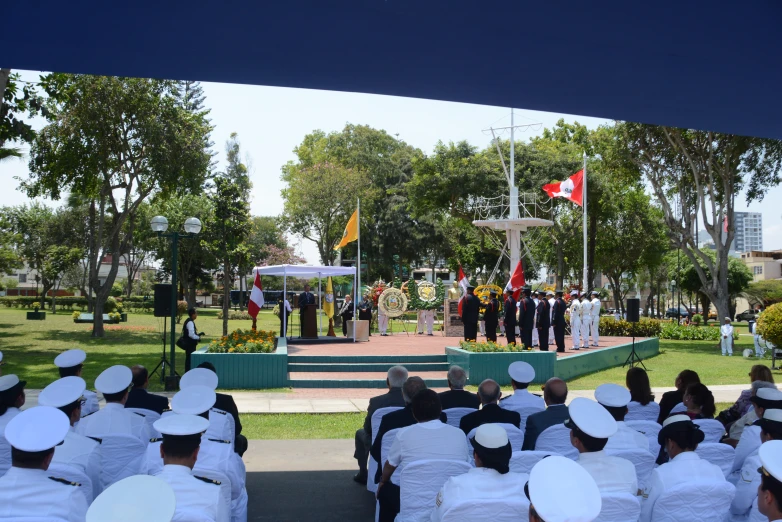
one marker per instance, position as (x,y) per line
(551,300)
(615,399)
(559,489)
(76,450)
(764,399)
(1,363)
(27,490)
(770,490)
(114,383)
(535,333)
(70,363)
(596,305)
(522,401)
(119,502)
(575,319)
(586,319)
(12,398)
(490,479)
(195,495)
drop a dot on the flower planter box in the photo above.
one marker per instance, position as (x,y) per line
(36,316)
(248,370)
(494,365)
(90,318)
(123,317)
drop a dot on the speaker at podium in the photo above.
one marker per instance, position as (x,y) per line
(309,321)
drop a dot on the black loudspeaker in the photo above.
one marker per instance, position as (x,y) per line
(633,310)
(163,300)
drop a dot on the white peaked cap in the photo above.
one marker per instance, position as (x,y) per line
(62,392)
(181,424)
(194,400)
(114,379)
(38,429)
(199,377)
(612,395)
(591,418)
(561,490)
(521,371)
(136,498)
(70,358)
(770,454)
(8,381)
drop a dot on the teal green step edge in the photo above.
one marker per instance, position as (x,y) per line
(391,359)
(354,383)
(366,367)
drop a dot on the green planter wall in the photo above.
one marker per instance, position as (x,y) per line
(596,360)
(248,370)
(36,316)
(480,366)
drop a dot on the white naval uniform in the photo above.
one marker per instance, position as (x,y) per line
(586,322)
(382,321)
(746,488)
(685,468)
(114,419)
(194,496)
(91,403)
(420,325)
(5,450)
(575,322)
(32,493)
(429,318)
(626,438)
(612,474)
(478,484)
(535,335)
(6,417)
(595,321)
(748,444)
(82,453)
(426,440)
(726,339)
(551,321)
(522,400)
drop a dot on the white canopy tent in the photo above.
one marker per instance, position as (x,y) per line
(306,271)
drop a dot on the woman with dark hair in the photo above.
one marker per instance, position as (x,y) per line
(699,402)
(641,405)
(672,399)
(190,338)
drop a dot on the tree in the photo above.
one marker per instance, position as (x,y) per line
(766,292)
(739,279)
(695,175)
(15,101)
(9,256)
(59,259)
(237,171)
(115,141)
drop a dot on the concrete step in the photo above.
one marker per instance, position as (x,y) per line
(366,367)
(390,359)
(343,379)
(357,383)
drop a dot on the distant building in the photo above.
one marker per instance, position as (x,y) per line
(749,231)
(764,265)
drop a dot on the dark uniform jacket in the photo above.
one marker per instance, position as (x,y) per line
(538,422)
(510,312)
(459,399)
(667,402)
(391,398)
(558,312)
(489,414)
(140,398)
(527,313)
(490,313)
(470,309)
(306,298)
(544,314)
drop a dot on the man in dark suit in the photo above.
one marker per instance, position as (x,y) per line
(558,320)
(457,396)
(490,316)
(510,317)
(555,395)
(672,398)
(527,318)
(396,377)
(489,392)
(544,321)
(138,397)
(226,403)
(470,314)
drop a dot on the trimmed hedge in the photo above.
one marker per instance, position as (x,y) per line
(692,333)
(622,328)
(67,302)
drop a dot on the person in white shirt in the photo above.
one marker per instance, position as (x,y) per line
(285,315)
(522,401)
(70,363)
(114,383)
(12,398)
(764,398)
(770,490)
(27,490)
(429,319)
(81,452)
(749,480)
(614,399)
(119,502)
(680,438)
(195,495)
(586,319)
(429,439)
(726,339)
(490,479)
(590,428)
(561,490)
(595,318)
(575,319)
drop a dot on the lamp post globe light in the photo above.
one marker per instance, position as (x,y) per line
(159,225)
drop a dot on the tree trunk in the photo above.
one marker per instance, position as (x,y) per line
(241,290)
(560,267)
(226,293)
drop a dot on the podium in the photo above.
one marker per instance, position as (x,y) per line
(309,322)
(362,329)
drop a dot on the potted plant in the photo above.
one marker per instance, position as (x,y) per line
(122,313)
(36,314)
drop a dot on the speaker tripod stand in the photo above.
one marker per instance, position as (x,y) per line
(634,359)
(163,359)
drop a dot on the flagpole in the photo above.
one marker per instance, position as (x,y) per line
(584,191)
(358,270)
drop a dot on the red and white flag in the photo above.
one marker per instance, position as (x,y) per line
(256,297)
(516,282)
(463,283)
(572,188)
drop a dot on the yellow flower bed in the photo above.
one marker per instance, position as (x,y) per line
(244,341)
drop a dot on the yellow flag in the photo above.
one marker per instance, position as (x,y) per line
(328,306)
(351,231)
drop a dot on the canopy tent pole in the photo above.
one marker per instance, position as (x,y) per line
(320,314)
(284,309)
(355,298)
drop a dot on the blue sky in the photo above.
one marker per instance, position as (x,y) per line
(271,121)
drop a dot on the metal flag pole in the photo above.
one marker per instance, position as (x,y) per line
(584,191)
(320,310)
(358,270)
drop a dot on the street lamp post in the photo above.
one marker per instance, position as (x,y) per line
(192,227)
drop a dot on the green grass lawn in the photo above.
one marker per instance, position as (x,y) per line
(280,426)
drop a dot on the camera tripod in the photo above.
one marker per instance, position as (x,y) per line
(634,358)
(163,359)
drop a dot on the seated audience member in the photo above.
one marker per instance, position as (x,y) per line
(737,428)
(590,428)
(396,377)
(119,502)
(113,383)
(224,403)
(12,398)
(765,399)
(76,450)
(641,397)
(70,364)
(749,480)
(194,495)
(615,399)
(489,392)
(555,395)
(138,396)
(429,438)
(27,490)
(743,405)
(457,396)
(680,438)
(560,490)
(699,402)
(490,479)
(521,375)
(770,491)
(672,398)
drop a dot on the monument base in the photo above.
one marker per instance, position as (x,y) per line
(454,327)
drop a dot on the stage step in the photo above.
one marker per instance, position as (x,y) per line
(366,367)
(355,359)
(358,379)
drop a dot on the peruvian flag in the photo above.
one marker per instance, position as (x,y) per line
(572,188)
(463,283)
(516,282)
(256,297)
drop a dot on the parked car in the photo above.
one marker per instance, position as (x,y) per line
(671,312)
(747,315)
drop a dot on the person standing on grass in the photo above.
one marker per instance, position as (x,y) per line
(190,336)
(727,337)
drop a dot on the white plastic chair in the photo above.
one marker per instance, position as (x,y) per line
(524,413)
(650,429)
(419,483)
(372,467)
(524,461)
(5,455)
(149,418)
(454,415)
(72,474)
(120,456)
(713,430)
(619,507)
(43,519)
(556,439)
(642,460)
(225,482)
(636,411)
(479,510)
(700,500)
(679,408)
(385,445)
(719,454)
